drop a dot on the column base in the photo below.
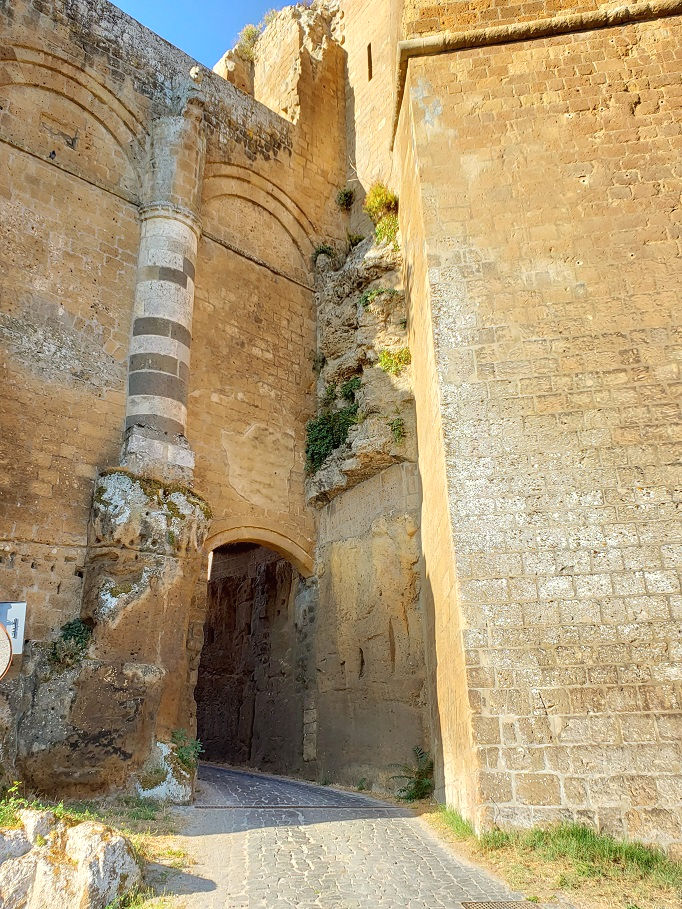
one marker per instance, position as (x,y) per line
(150,452)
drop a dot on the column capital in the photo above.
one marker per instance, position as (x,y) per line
(163,209)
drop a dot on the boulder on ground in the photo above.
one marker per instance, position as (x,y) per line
(49,865)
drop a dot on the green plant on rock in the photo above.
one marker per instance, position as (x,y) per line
(327,432)
(354,240)
(345,198)
(329,395)
(387,229)
(397,427)
(350,388)
(187,750)
(369,296)
(10,804)
(380,202)
(394,361)
(323,249)
(247,39)
(71,645)
(418,779)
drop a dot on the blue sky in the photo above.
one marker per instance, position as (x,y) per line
(205,29)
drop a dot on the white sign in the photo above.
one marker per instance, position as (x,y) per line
(13,617)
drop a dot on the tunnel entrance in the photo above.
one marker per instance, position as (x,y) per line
(249,695)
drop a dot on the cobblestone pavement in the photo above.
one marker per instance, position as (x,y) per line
(262,841)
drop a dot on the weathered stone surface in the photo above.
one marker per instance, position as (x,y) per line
(92,724)
(164,779)
(86,866)
(361,312)
(539,204)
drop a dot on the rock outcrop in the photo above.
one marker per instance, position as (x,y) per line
(51,864)
(364,364)
(105,692)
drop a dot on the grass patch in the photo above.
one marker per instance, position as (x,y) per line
(380,202)
(247,41)
(572,858)
(354,240)
(386,231)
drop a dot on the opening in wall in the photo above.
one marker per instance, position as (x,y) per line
(249,693)
(369,63)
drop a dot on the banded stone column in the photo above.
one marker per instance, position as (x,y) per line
(159,357)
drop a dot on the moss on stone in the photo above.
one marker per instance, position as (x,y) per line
(156,490)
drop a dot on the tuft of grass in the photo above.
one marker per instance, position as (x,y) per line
(363,785)
(247,41)
(345,198)
(323,249)
(418,779)
(380,202)
(354,240)
(397,427)
(70,647)
(456,824)
(394,361)
(387,229)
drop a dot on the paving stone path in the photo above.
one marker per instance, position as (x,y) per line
(261,841)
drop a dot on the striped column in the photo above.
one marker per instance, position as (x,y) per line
(158,370)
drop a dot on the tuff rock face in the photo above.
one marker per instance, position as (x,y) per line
(361,315)
(48,864)
(98,707)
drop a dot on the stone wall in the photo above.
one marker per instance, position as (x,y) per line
(422,17)
(548,196)
(92,141)
(370,30)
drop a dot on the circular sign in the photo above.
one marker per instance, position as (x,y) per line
(5,651)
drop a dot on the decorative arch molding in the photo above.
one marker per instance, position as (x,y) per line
(26,66)
(223,180)
(272,539)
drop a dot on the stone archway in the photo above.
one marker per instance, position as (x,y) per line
(252,685)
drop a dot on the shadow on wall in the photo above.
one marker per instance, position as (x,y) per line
(429,621)
(251,687)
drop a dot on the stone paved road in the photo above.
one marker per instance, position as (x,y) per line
(262,841)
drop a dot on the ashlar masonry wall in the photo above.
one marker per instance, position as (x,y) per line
(79,130)
(548,187)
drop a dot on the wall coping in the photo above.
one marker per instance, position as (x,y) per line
(449,42)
